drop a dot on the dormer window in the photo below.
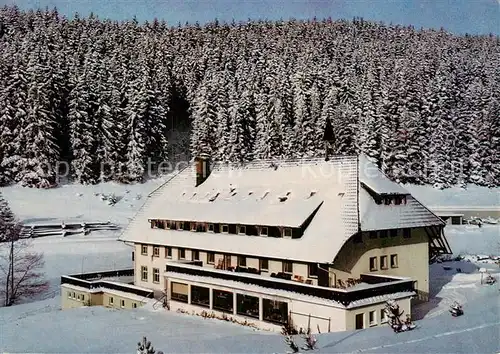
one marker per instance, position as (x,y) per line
(287,232)
(242,230)
(224,229)
(181,226)
(211,227)
(387,201)
(193,226)
(263,231)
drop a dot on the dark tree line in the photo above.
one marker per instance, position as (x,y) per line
(104,96)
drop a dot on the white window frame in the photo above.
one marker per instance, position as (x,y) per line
(144,270)
(396,264)
(382,265)
(383,316)
(285,232)
(193,253)
(192,226)
(211,228)
(167,249)
(222,229)
(260,265)
(374,320)
(156,251)
(242,230)
(111,301)
(208,261)
(156,272)
(179,251)
(375,268)
(283,267)
(262,233)
(122,303)
(144,247)
(309,275)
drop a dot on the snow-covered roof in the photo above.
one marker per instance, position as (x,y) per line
(371,176)
(277,193)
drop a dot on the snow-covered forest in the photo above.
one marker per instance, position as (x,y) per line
(96,93)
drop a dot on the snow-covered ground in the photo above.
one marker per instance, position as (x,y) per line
(44,328)
(41,327)
(472,196)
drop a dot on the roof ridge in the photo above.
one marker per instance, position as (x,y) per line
(276,162)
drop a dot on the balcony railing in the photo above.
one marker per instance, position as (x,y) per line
(343,296)
(80,280)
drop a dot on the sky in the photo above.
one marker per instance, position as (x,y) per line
(456,16)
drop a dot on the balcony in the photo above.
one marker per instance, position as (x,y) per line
(372,286)
(112,280)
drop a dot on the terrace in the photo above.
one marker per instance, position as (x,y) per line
(118,280)
(371,286)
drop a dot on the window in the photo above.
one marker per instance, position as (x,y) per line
(387,201)
(168,252)
(383,316)
(193,226)
(144,250)
(406,233)
(397,200)
(181,253)
(264,265)
(383,262)
(122,303)
(263,230)
(156,251)
(200,296)
(274,311)
(74,295)
(144,273)
(83,297)
(373,263)
(287,232)
(222,300)
(242,261)
(156,275)
(111,300)
(394,260)
(393,233)
(179,292)
(211,227)
(383,233)
(195,255)
(224,229)
(313,270)
(372,318)
(242,229)
(287,267)
(69,294)
(247,305)
(181,226)
(78,297)
(134,305)
(373,234)
(210,257)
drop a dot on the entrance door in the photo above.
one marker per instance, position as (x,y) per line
(359,321)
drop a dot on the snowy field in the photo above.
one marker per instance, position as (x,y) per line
(47,329)
(41,327)
(472,196)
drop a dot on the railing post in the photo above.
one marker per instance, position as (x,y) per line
(211,298)
(261,309)
(235,303)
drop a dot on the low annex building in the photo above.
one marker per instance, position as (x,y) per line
(320,244)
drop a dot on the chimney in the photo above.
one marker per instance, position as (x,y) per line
(202,163)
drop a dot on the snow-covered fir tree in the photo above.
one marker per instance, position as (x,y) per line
(106,96)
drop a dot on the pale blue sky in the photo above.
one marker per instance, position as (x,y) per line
(458,16)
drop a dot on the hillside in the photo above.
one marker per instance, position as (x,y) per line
(100,100)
